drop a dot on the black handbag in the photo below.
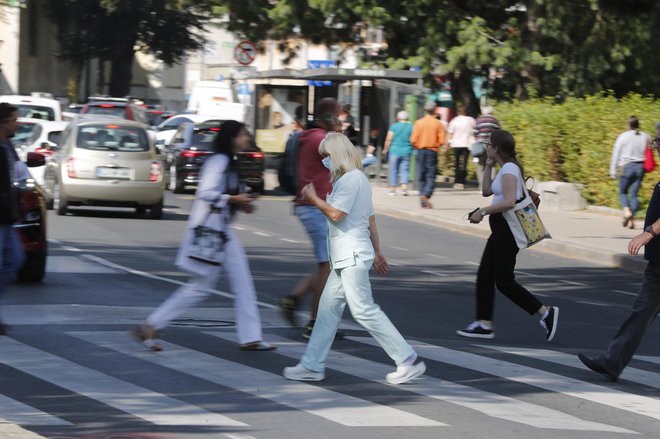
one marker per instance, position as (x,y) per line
(208,244)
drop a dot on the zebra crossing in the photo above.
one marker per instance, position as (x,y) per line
(237,392)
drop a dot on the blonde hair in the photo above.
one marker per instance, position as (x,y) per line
(344,155)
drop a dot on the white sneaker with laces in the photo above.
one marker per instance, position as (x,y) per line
(301,373)
(406,372)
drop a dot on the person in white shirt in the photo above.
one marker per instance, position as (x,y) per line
(627,163)
(353,247)
(461,137)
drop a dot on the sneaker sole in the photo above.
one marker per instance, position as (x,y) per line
(555,319)
(472,335)
(304,377)
(415,372)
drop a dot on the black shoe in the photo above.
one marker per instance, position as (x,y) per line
(549,323)
(597,367)
(288,306)
(308,329)
(476,330)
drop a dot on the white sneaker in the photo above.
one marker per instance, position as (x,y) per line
(406,372)
(301,373)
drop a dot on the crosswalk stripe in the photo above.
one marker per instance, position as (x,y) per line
(73,264)
(333,406)
(491,404)
(137,401)
(647,378)
(538,378)
(19,413)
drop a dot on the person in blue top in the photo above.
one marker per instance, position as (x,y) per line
(353,248)
(397,143)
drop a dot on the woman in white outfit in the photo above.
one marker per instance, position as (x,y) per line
(219,196)
(353,247)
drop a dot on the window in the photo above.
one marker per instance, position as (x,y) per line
(112,137)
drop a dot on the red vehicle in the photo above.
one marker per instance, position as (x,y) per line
(32,225)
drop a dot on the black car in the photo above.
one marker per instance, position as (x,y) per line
(190,146)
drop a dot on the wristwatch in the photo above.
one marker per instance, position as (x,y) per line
(649,229)
(482,212)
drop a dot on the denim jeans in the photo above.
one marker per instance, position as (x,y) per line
(351,286)
(633,174)
(399,166)
(11,255)
(427,164)
(317,228)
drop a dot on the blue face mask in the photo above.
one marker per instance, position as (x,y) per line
(326,162)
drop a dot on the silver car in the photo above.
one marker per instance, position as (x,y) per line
(106,162)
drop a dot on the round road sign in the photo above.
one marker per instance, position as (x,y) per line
(245,52)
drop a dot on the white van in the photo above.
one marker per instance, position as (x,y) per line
(35,108)
(216,98)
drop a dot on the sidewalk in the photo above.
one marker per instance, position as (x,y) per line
(591,235)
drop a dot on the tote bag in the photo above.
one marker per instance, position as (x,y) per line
(525,222)
(208,244)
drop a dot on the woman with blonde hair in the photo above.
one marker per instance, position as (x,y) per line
(353,247)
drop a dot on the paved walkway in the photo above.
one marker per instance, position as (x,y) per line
(592,234)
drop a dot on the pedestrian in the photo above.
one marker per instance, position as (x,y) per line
(311,170)
(627,163)
(354,247)
(486,124)
(11,250)
(461,137)
(499,257)
(646,306)
(427,136)
(219,197)
(348,125)
(397,144)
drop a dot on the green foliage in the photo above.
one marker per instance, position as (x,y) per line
(572,141)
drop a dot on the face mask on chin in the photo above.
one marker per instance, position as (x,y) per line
(327,163)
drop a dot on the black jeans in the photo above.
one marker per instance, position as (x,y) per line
(496,270)
(461,156)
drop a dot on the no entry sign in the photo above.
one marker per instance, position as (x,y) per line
(245,52)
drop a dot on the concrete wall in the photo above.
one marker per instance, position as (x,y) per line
(9,46)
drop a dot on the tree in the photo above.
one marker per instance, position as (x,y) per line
(114,30)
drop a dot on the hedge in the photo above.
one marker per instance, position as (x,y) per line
(572,141)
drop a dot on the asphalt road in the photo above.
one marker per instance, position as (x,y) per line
(69,370)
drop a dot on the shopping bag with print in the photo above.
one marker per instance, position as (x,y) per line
(525,223)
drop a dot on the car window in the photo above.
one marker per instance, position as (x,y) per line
(203,139)
(54,137)
(113,137)
(107,109)
(23,132)
(36,133)
(174,123)
(35,112)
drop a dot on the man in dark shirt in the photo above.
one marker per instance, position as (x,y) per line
(312,170)
(621,349)
(11,251)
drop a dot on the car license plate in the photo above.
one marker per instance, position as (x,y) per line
(120,173)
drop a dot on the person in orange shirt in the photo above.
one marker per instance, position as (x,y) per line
(427,136)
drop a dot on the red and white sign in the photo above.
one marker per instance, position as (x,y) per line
(245,52)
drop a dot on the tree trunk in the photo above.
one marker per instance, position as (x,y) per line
(462,92)
(121,72)
(74,75)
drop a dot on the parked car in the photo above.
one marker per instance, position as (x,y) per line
(71,111)
(192,143)
(31,225)
(44,139)
(166,130)
(118,107)
(105,162)
(35,107)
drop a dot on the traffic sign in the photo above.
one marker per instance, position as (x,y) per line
(245,52)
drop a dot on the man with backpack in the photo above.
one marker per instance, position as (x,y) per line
(304,157)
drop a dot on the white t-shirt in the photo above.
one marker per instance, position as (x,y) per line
(498,191)
(461,129)
(350,237)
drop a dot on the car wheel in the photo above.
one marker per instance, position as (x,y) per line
(49,186)
(258,188)
(59,202)
(156,210)
(140,210)
(176,183)
(34,268)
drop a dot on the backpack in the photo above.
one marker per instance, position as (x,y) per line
(287,173)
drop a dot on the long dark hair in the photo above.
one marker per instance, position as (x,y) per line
(224,144)
(224,141)
(506,145)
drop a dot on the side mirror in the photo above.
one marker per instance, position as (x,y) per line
(34,159)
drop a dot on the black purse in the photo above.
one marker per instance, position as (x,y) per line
(208,244)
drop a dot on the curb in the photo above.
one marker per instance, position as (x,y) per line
(548,246)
